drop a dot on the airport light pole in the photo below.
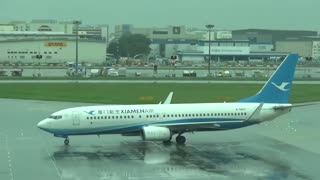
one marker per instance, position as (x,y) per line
(209,27)
(77,23)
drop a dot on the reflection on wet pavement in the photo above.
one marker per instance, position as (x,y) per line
(138,160)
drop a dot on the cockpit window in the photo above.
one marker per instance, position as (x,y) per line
(55,117)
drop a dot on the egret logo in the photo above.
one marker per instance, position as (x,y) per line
(282,86)
(90,112)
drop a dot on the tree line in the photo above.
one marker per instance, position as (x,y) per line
(129,45)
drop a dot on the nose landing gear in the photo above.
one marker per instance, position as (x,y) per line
(66,141)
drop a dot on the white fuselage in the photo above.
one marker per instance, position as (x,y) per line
(126,119)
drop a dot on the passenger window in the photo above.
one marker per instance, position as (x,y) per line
(132,116)
(139,116)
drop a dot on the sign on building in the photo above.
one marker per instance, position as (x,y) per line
(225,50)
(55,44)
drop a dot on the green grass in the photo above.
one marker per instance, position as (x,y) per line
(145,93)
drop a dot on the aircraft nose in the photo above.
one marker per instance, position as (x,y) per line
(44,124)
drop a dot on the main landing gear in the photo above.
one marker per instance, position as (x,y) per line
(179,139)
(66,141)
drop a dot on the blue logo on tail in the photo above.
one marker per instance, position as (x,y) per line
(277,88)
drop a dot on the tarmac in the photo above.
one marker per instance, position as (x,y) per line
(286,148)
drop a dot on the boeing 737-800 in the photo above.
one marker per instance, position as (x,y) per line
(159,122)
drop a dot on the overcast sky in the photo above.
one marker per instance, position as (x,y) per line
(224,14)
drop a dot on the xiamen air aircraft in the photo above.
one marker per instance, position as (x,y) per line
(160,122)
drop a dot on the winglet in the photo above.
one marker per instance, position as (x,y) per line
(168,99)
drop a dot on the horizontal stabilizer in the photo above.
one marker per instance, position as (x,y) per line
(289,106)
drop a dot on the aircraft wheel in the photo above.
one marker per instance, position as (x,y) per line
(66,142)
(180,139)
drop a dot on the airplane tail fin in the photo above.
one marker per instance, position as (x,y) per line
(277,88)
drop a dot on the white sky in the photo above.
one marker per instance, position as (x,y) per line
(224,14)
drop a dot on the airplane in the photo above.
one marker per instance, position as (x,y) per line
(160,122)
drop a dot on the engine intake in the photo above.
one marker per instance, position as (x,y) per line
(155,133)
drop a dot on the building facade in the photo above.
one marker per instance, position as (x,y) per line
(22,41)
(54,48)
(301,47)
(269,36)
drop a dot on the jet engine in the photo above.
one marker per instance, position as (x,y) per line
(154,133)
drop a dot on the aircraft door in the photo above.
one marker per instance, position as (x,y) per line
(76,118)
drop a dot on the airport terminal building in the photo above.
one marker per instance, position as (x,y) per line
(54,41)
(230,51)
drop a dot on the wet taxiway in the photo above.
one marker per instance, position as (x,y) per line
(287,148)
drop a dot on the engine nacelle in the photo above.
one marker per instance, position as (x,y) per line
(154,133)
